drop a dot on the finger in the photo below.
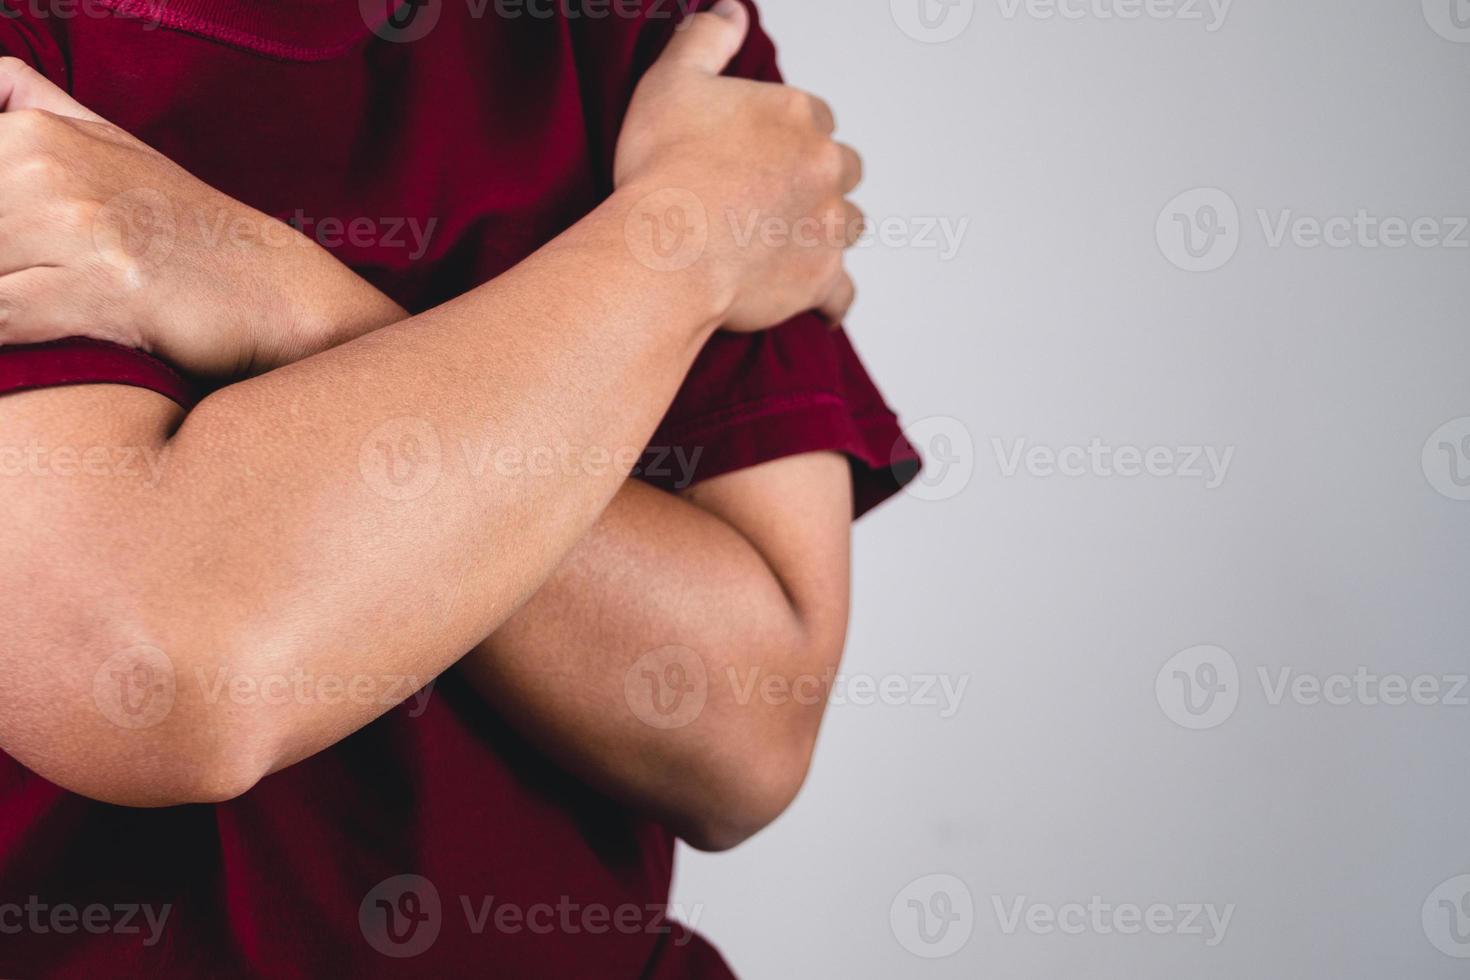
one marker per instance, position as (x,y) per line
(856,223)
(34,308)
(839,300)
(27,241)
(22,87)
(822,112)
(708,41)
(852,168)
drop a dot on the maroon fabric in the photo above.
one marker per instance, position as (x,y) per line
(492,133)
(77,361)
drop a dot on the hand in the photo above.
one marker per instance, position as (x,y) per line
(104,237)
(759,160)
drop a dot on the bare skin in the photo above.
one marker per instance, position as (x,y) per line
(749,576)
(248,557)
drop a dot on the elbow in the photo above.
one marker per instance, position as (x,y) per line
(192,757)
(201,763)
(103,682)
(172,733)
(157,783)
(176,769)
(748,791)
(170,740)
(760,762)
(223,780)
(130,728)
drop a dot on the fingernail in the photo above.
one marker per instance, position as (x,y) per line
(728,9)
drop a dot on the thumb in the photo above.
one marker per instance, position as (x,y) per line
(706,42)
(22,87)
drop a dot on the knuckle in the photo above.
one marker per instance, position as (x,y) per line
(831,267)
(13,67)
(38,169)
(831,160)
(27,119)
(73,213)
(821,164)
(705,27)
(35,169)
(796,104)
(32,127)
(13,304)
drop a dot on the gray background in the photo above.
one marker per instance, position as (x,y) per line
(1334,831)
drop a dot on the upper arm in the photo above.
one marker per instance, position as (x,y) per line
(76,465)
(82,429)
(796,512)
(73,461)
(108,413)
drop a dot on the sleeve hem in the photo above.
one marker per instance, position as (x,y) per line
(750,434)
(77,361)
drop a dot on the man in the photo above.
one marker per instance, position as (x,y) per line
(213,604)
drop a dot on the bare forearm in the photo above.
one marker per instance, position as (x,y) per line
(368,511)
(646,663)
(298,553)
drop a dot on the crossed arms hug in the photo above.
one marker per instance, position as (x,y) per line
(260,549)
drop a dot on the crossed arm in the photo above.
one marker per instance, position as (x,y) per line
(262,548)
(749,576)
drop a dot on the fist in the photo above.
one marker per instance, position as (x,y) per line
(104,237)
(753,166)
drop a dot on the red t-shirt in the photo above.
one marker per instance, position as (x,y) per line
(430,153)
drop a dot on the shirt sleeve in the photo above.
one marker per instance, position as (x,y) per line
(79,361)
(754,398)
(74,360)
